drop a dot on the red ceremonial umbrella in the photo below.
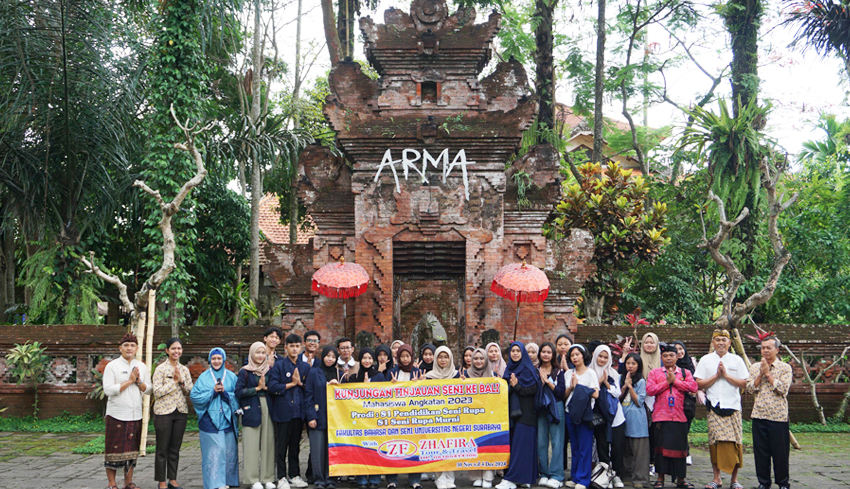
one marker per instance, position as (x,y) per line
(341,280)
(521,282)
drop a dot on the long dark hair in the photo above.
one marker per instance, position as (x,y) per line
(639,374)
(553,363)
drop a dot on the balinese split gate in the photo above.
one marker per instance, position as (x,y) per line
(426,196)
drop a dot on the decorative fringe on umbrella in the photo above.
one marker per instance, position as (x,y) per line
(531,296)
(339,293)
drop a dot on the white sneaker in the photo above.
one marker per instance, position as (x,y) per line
(442,486)
(270,485)
(297,481)
(424,477)
(505,484)
(569,484)
(689,460)
(528,486)
(651,469)
(618,482)
(487,484)
(581,486)
(283,483)
(256,485)
(477,482)
(554,483)
(543,482)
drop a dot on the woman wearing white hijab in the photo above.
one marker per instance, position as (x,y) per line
(494,355)
(609,380)
(444,368)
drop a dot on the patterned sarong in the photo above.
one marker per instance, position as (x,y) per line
(122,443)
(725,440)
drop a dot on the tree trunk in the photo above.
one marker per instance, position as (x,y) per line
(331,34)
(256,176)
(293,160)
(9,249)
(345,26)
(234,313)
(599,86)
(3,261)
(742,19)
(544,83)
(594,306)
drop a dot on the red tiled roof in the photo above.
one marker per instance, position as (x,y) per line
(274,231)
(566,115)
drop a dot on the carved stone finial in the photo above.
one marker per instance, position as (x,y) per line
(428,14)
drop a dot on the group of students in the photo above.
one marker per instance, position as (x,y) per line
(626,418)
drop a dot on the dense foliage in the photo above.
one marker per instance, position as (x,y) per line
(86,89)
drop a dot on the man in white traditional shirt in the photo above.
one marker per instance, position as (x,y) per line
(722,375)
(125,381)
(346,363)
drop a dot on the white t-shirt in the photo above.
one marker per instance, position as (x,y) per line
(587,379)
(722,391)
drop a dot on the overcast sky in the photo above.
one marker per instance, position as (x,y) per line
(799,86)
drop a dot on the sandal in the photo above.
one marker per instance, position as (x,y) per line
(685,485)
(132,485)
(658,485)
(736,485)
(712,485)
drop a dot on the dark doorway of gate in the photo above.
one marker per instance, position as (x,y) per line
(429,293)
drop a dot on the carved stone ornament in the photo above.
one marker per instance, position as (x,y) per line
(428,13)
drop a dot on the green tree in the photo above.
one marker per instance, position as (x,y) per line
(69,74)
(610,204)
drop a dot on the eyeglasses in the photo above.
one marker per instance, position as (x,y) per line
(312,341)
(346,348)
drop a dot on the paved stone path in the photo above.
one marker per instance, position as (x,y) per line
(54,466)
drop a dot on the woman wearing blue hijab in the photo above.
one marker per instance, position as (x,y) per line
(214,399)
(524,382)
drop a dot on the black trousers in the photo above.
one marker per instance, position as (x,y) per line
(169,438)
(287,440)
(611,453)
(771,441)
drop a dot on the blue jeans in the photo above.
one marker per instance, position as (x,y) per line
(551,432)
(581,439)
(362,480)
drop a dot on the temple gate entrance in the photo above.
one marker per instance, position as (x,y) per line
(428,293)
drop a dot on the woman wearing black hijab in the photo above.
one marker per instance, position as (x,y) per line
(368,369)
(324,372)
(426,358)
(384,360)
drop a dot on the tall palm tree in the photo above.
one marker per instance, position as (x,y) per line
(68,73)
(68,99)
(822,25)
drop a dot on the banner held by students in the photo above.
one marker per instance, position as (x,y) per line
(423,426)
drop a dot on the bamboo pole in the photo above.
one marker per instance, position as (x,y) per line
(146,401)
(140,335)
(738,344)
